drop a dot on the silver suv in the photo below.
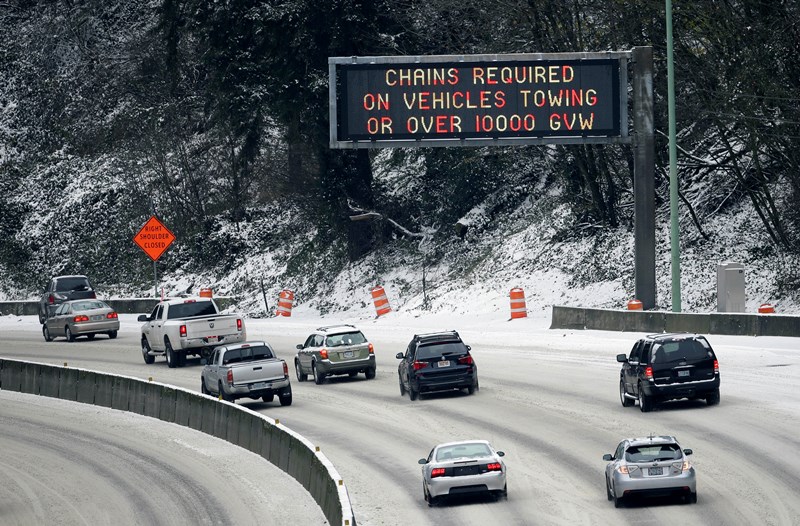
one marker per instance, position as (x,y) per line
(61,289)
(335,349)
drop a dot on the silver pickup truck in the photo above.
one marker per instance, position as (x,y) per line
(246,370)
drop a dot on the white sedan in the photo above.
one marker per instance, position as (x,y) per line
(458,468)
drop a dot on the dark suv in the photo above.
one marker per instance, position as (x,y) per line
(668,367)
(436,362)
(61,289)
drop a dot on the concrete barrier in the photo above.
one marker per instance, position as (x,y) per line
(281,446)
(660,322)
(122,305)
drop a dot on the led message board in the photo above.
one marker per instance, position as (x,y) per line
(441,99)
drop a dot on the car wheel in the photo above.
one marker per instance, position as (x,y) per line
(609,496)
(68,334)
(370,373)
(412,393)
(402,388)
(645,402)
(692,497)
(172,360)
(180,358)
(41,317)
(713,397)
(268,397)
(285,396)
(146,352)
(112,334)
(318,377)
(618,502)
(626,402)
(203,388)
(301,376)
(90,336)
(226,397)
(46,333)
(431,500)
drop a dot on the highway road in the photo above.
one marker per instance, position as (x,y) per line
(548,399)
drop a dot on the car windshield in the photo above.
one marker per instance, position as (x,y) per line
(347,338)
(88,305)
(473,450)
(653,453)
(191,308)
(680,350)
(438,350)
(68,284)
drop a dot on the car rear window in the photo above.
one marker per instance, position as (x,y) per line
(247,354)
(346,338)
(194,308)
(89,305)
(681,350)
(68,284)
(477,450)
(437,350)
(653,453)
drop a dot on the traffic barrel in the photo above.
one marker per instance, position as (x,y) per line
(285,303)
(634,305)
(518,308)
(381,301)
(766,308)
(205,292)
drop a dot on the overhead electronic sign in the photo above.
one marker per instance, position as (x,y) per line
(447,100)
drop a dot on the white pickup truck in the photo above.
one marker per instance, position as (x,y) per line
(181,326)
(246,370)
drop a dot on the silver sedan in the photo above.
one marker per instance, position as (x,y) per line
(81,318)
(458,468)
(652,466)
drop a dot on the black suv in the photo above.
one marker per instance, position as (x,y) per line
(668,367)
(61,289)
(435,362)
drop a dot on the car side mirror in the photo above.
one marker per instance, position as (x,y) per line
(608,457)
(399,356)
(299,346)
(422,461)
(143,317)
(622,358)
(500,454)
(469,348)
(687,452)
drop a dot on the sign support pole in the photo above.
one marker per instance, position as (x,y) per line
(155,280)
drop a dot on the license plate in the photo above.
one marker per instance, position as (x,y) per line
(263,385)
(683,373)
(348,354)
(97,317)
(212,338)
(655,471)
(444,363)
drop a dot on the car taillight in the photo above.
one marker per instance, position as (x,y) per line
(494,466)
(323,354)
(466,360)
(79,318)
(420,365)
(230,377)
(648,373)
(183,331)
(239,324)
(371,349)
(716,367)
(112,316)
(681,466)
(51,299)
(285,369)
(623,469)
(437,472)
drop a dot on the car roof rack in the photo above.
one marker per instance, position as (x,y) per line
(326,328)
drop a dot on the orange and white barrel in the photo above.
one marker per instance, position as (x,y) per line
(766,308)
(518,308)
(381,301)
(205,292)
(285,303)
(634,305)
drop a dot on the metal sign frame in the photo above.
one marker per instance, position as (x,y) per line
(622,138)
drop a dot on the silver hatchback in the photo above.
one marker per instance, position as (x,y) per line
(650,466)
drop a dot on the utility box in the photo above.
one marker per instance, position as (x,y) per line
(730,287)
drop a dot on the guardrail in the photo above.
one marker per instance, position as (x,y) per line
(659,322)
(123,306)
(253,431)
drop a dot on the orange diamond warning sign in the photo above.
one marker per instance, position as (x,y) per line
(154,238)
